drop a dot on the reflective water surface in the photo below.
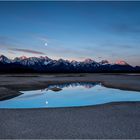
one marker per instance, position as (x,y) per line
(70,95)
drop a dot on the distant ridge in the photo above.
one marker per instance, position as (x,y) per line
(46,65)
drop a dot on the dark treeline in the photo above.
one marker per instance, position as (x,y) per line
(18,68)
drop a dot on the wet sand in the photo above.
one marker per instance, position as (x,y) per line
(114,120)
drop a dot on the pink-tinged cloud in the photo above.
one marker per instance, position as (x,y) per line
(26,50)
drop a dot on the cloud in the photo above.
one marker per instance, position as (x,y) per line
(12,45)
(26,50)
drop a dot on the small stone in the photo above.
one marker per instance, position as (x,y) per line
(56,89)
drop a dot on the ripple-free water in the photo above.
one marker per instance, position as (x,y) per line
(71,95)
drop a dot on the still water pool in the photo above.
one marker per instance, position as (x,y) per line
(70,95)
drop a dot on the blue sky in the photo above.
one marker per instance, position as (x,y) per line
(71,30)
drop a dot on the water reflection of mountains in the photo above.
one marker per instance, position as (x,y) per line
(74,84)
(86,85)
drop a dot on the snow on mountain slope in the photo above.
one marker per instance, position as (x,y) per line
(43,63)
(45,60)
(32,60)
(4,59)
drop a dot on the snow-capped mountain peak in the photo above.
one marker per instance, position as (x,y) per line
(22,57)
(45,64)
(44,57)
(121,62)
(88,60)
(104,62)
(4,59)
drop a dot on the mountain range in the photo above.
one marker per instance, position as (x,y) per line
(47,65)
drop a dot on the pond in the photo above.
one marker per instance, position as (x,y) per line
(70,95)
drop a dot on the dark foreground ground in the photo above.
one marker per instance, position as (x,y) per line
(115,120)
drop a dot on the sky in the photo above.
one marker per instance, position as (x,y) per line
(71,30)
